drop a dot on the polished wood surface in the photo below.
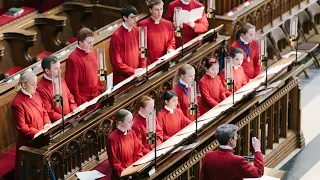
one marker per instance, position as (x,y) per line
(274,172)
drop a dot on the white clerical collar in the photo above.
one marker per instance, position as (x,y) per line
(184,83)
(126,27)
(45,76)
(155,22)
(244,42)
(125,132)
(26,93)
(225,147)
(210,75)
(82,49)
(169,109)
(185,3)
(142,115)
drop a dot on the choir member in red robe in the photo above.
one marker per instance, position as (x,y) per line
(187,76)
(160,32)
(146,105)
(239,77)
(223,164)
(123,146)
(82,69)
(171,118)
(28,114)
(51,65)
(246,41)
(124,47)
(191,29)
(211,88)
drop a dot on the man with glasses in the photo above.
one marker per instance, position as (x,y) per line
(160,32)
(124,47)
(223,164)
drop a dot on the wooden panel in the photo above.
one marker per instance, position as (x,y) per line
(6,61)
(8,132)
(67,30)
(37,47)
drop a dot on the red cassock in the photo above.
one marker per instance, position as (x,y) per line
(201,25)
(45,90)
(212,92)
(139,127)
(251,67)
(239,77)
(123,150)
(183,101)
(223,164)
(82,76)
(171,123)
(124,53)
(29,117)
(160,38)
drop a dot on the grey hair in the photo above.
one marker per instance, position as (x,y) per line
(224,132)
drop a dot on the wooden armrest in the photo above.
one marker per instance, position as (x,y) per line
(21,34)
(51,20)
(77,6)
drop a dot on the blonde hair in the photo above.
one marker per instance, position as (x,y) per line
(26,76)
(143,100)
(184,68)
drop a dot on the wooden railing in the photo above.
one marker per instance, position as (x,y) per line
(273,118)
(82,147)
(262,13)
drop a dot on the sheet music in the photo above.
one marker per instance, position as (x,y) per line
(270,86)
(274,70)
(264,177)
(173,140)
(237,97)
(291,53)
(89,175)
(150,156)
(251,85)
(191,16)
(214,112)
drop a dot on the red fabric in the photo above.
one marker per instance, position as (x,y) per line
(140,128)
(82,76)
(239,77)
(72,40)
(43,54)
(4,19)
(183,103)
(160,38)
(252,68)
(105,169)
(212,92)
(14,70)
(123,150)
(6,162)
(223,164)
(45,89)
(29,116)
(201,25)
(124,53)
(171,123)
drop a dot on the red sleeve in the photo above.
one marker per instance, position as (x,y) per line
(115,163)
(205,95)
(223,92)
(244,79)
(20,122)
(169,13)
(138,148)
(162,126)
(48,106)
(46,119)
(72,78)
(201,25)
(256,60)
(172,42)
(138,132)
(247,170)
(203,172)
(115,58)
(72,103)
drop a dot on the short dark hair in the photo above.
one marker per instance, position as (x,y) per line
(210,61)
(235,51)
(120,117)
(169,94)
(84,33)
(47,61)
(225,132)
(127,10)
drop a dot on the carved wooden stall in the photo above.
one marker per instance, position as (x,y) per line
(261,13)
(7,92)
(84,146)
(274,118)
